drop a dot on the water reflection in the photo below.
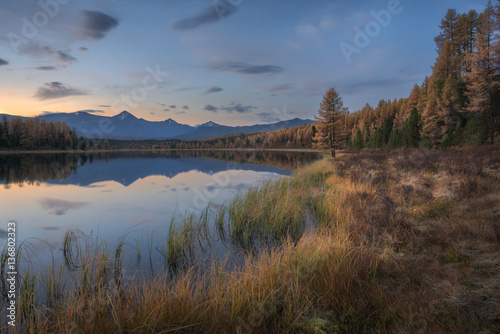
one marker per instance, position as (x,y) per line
(128,167)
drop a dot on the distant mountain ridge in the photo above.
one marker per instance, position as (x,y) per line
(127,126)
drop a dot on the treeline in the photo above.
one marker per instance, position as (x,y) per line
(33,134)
(36,134)
(298,137)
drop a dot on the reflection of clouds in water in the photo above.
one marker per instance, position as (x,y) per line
(173,189)
(106,191)
(60,207)
(3,234)
(186,188)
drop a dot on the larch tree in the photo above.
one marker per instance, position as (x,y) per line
(329,121)
(483,81)
(447,43)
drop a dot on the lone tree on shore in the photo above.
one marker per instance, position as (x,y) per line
(328,121)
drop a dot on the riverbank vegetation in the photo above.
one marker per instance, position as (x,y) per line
(394,241)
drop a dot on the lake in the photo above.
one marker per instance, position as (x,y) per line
(106,196)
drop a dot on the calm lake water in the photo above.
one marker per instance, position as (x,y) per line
(109,195)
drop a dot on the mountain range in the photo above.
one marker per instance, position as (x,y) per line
(127,126)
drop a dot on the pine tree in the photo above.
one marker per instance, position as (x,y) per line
(412,129)
(329,121)
(358,143)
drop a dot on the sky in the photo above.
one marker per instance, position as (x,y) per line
(234,62)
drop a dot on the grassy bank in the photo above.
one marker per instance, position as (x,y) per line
(404,241)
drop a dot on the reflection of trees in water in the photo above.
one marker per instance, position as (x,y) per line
(36,168)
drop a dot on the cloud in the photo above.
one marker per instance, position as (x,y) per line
(82,48)
(38,51)
(184,89)
(245,68)
(104,106)
(233,107)
(281,87)
(216,12)
(185,107)
(210,107)
(60,207)
(91,111)
(173,106)
(239,108)
(161,104)
(180,112)
(96,25)
(166,109)
(3,62)
(46,68)
(56,90)
(213,90)
(65,57)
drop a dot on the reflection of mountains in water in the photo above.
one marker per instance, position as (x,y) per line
(127,167)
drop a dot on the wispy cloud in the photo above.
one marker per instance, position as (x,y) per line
(45,68)
(56,90)
(96,25)
(216,12)
(245,68)
(3,62)
(60,207)
(65,57)
(185,107)
(280,87)
(91,111)
(233,107)
(213,90)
